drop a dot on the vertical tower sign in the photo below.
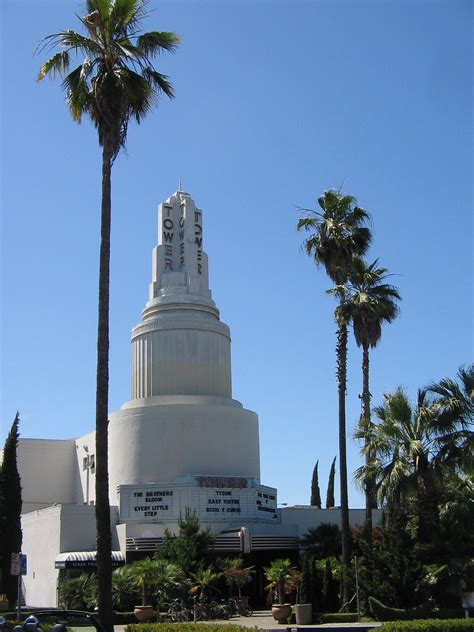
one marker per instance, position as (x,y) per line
(179,261)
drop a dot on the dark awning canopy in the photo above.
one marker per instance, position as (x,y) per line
(85,559)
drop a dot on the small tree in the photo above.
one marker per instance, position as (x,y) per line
(281,575)
(10,511)
(125,594)
(144,574)
(170,582)
(315,493)
(330,593)
(203,579)
(236,575)
(306,581)
(330,493)
(316,586)
(189,549)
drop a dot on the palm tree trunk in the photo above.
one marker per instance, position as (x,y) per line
(345,530)
(427,504)
(369,487)
(102,506)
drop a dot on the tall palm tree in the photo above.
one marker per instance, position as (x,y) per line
(338,232)
(114,82)
(414,448)
(370,302)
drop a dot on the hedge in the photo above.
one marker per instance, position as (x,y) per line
(186,627)
(429,625)
(122,618)
(338,617)
(384,613)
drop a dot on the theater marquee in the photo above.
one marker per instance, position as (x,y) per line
(212,498)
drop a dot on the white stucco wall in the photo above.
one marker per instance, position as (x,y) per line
(41,543)
(181,436)
(47,471)
(85,477)
(306,517)
(49,532)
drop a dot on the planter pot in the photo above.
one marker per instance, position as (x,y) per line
(467,600)
(304,613)
(143,613)
(281,611)
(242,604)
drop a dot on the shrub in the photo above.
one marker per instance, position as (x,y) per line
(187,627)
(429,625)
(122,618)
(338,617)
(79,593)
(385,613)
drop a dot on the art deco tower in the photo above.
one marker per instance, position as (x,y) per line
(181,419)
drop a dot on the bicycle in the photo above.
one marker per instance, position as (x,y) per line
(219,610)
(177,612)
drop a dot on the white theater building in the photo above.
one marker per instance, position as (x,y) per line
(181,441)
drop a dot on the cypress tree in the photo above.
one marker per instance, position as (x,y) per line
(10,520)
(330,593)
(330,493)
(315,493)
(316,586)
(305,589)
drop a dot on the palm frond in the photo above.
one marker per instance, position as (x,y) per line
(160,82)
(77,93)
(115,81)
(57,64)
(155,42)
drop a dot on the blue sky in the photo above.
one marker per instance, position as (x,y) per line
(275,102)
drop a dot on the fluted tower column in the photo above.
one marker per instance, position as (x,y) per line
(180,347)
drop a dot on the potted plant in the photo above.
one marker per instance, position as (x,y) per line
(303,607)
(144,575)
(467,594)
(282,577)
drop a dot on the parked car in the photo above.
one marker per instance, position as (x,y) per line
(60,621)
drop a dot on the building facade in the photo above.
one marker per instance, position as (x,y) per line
(180,441)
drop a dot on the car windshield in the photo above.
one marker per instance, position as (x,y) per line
(80,621)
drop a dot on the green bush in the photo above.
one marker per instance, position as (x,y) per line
(429,625)
(186,627)
(338,617)
(385,613)
(122,618)
(448,613)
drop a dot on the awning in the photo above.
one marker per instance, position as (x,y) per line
(85,559)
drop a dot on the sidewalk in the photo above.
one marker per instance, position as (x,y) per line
(264,620)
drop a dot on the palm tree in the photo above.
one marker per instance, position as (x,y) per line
(370,302)
(170,581)
(322,541)
(415,449)
(144,574)
(114,82)
(282,577)
(203,579)
(337,233)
